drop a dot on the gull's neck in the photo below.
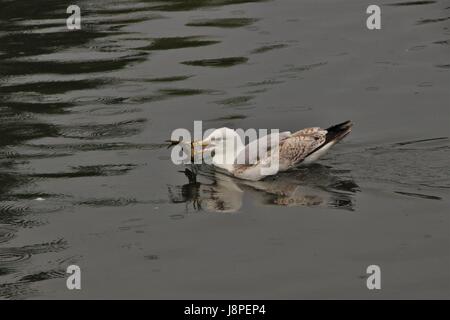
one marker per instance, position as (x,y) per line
(228,150)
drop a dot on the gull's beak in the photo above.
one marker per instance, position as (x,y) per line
(198,147)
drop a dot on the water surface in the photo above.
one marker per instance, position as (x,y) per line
(86,179)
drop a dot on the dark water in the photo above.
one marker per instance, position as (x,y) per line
(85,179)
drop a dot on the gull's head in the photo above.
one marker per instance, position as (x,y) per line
(216,143)
(200,147)
(221,148)
(221,134)
(222,143)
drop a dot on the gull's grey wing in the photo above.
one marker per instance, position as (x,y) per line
(310,132)
(301,144)
(252,155)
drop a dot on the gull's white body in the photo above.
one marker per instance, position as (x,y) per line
(282,151)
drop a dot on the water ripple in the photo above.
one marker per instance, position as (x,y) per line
(95,131)
(222,22)
(11,256)
(411,3)
(217,63)
(178,43)
(6,234)
(89,171)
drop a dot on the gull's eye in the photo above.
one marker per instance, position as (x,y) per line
(213,153)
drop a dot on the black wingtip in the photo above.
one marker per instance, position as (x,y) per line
(341,126)
(339,131)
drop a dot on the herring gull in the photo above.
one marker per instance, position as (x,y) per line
(288,150)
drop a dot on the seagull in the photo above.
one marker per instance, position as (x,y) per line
(268,155)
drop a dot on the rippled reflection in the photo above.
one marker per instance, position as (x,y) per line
(311,186)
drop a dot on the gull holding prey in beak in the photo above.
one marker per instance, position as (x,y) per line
(276,152)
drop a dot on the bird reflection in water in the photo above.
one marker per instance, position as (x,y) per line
(312,186)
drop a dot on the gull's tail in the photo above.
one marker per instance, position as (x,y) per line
(338,132)
(334,134)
